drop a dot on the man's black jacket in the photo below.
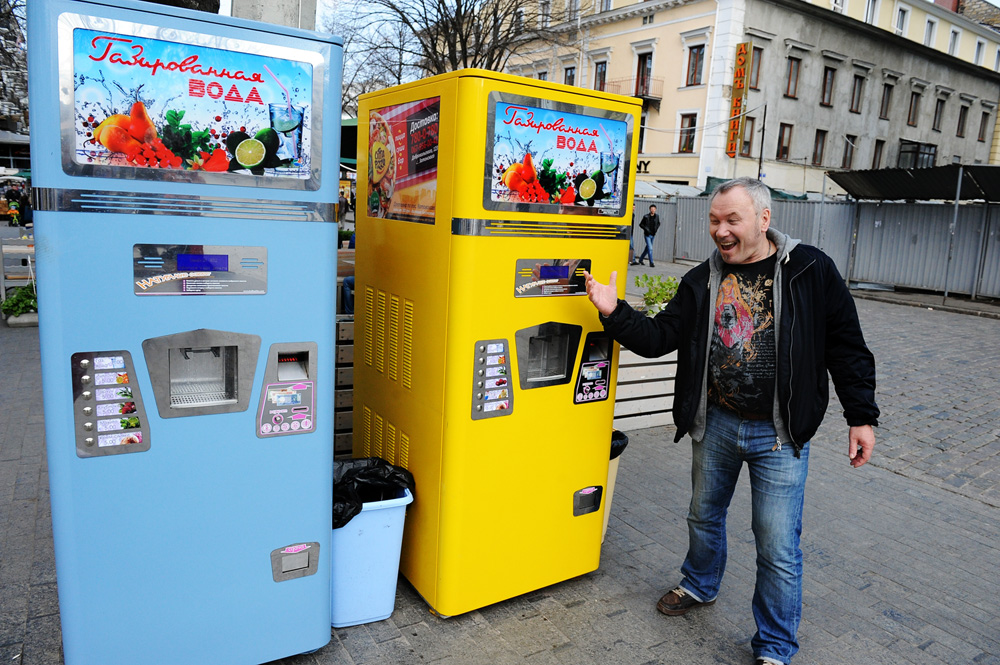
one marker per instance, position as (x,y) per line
(818,332)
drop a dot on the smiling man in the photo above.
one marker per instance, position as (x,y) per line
(758,326)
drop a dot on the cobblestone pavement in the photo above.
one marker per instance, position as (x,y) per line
(900,555)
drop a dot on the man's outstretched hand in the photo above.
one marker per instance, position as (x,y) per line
(604,296)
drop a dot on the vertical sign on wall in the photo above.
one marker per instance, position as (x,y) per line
(734,140)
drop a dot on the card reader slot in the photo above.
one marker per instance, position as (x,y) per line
(299,409)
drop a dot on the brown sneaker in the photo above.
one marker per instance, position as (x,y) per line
(678,601)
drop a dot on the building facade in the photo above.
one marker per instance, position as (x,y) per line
(852,84)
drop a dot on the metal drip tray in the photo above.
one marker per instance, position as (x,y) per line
(199,393)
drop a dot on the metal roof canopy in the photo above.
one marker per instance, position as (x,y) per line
(979,183)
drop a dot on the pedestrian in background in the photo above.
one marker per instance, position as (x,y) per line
(650,224)
(758,325)
(342,207)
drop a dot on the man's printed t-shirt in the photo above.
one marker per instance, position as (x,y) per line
(741,365)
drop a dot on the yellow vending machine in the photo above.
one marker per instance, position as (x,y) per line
(480,364)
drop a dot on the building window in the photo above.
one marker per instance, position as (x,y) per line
(643,119)
(996,62)
(747,149)
(644,71)
(930,31)
(883,109)
(953,40)
(938,114)
(877,155)
(984,125)
(572,9)
(849,143)
(956,159)
(839,6)
(826,97)
(544,14)
(963,116)
(569,76)
(647,20)
(605,6)
(915,155)
(870,6)
(902,18)
(688,122)
(696,62)
(600,75)
(980,49)
(543,76)
(758,54)
(784,142)
(818,146)
(792,78)
(857,91)
(911,116)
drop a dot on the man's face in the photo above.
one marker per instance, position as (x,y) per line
(652,210)
(735,228)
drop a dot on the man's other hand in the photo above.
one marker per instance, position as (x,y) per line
(862,442)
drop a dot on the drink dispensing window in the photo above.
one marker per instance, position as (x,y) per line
(201,372)
(202,376)
(546,354)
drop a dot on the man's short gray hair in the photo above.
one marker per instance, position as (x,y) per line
(759,194)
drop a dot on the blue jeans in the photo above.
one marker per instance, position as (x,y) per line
(777,486)
(648,251)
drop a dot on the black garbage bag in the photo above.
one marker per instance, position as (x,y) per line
(618,442)
(360,481)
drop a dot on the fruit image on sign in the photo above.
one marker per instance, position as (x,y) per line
(549,157)
(181,106)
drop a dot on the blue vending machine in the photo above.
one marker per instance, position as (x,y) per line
(185,167)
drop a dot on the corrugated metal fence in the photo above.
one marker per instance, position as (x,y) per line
(898,244)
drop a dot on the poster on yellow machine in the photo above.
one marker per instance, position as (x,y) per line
(403,160)
(550,157)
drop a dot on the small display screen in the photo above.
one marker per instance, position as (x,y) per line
(553,272)
(203,262)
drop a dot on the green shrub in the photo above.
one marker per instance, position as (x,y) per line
(658,291)
(23,300)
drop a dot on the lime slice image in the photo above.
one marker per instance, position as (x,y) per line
(588,188)
(250,153)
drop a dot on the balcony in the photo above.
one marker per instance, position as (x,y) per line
(649,89)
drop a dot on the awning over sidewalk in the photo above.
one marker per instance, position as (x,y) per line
(979,182)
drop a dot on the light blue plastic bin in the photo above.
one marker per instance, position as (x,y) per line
(365,563)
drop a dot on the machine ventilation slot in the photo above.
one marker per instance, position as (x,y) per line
(380,333)
(366,433)
(404,450)
(369,315)
(408,344)
(378,445)
(489,227)
(394,339)
(390,443)
(179,204)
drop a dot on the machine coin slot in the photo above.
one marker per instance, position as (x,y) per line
(201,372)
(288,393)
(546,354)
(587,500)
(294,561)
(293,366)
(594,378)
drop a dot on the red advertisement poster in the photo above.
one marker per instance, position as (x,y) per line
(403,160)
